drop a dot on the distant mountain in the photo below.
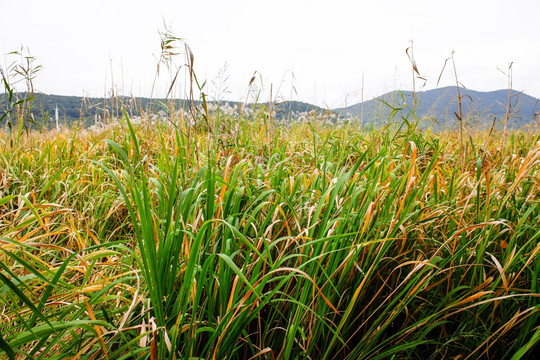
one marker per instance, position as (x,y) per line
(436,108)
(440,106)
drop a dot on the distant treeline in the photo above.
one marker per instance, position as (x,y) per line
(85,112)
(438,109)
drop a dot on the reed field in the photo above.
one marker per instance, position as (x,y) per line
(240,238)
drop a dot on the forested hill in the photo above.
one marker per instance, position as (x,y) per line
(82,111)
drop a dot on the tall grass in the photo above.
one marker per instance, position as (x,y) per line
(259,241)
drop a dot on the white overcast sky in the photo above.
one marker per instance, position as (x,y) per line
(326,45)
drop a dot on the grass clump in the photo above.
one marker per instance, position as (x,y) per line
(260,241)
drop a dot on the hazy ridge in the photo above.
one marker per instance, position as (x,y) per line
(441,105)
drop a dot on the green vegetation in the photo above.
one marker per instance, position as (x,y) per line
(237,238)
(218,234)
